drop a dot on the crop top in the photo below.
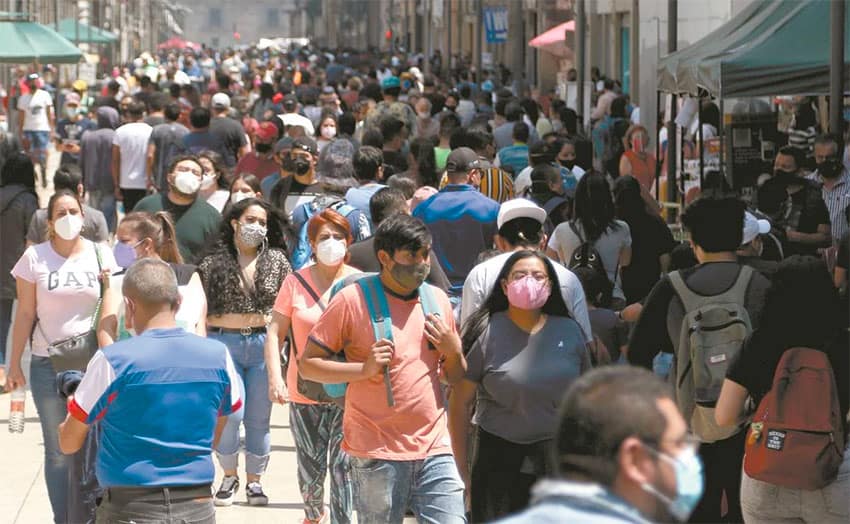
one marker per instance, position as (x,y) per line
(221,277)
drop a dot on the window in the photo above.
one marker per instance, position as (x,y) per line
(272,17)
(215,17)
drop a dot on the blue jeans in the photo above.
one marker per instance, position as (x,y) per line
(184,511)
(662,363)
(384,489)
(255,413)
(51,412)
(105,202)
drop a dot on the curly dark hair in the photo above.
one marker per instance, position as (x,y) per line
(280,233)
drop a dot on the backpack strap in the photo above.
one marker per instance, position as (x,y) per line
(382,323)
(575,230)
(427,300)
(692,301)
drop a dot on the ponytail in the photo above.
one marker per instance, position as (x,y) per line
(168,249)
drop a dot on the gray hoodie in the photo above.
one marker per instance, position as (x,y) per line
(96,152)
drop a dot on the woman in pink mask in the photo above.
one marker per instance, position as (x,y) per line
(523,351)
(637,160)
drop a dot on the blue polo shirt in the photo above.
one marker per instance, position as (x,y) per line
(158,397)
(515,156)
(463,224)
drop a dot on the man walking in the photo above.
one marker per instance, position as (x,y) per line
(36,123)
(153,464)
(129,157)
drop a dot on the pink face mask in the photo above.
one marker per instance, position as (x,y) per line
(528,293)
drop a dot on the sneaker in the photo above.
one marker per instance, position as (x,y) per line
(224,495)
(255,495)
(324,519)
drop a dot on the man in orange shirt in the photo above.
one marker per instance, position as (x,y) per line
(401,453)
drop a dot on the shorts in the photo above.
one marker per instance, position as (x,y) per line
(39,140)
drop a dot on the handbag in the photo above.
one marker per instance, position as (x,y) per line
(76,351)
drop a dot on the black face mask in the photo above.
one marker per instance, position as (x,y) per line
(263,148)
(569,164)
(299,166)
(829,168)
(786,177)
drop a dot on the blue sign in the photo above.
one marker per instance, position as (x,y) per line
(496,24)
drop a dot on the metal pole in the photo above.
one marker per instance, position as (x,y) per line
(657,148)
(580,60)
(77,31)
(56,15)
(479,39)
(701,146)
(836,78)
(429,30)
(670,154)
(516,38)
(634,52)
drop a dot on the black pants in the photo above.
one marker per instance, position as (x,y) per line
(502,475)
(722,462)
(132,197)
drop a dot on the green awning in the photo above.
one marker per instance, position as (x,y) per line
(68,29)
(793,59)
(773,47)
(26,42)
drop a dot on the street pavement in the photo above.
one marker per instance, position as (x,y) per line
(23,498)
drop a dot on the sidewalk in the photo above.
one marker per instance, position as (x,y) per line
(24,497)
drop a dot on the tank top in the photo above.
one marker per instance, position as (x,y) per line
(642,170)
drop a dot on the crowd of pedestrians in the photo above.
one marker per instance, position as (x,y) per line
(421,269)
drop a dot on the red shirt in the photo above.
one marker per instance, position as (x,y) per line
(257,165)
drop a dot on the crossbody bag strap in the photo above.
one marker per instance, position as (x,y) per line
(310,291)
(96,315)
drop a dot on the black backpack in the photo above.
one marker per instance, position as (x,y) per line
(586,255)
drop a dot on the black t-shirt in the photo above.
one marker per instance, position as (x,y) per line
(802,211)
(843,259)
(363,258)
(230,132)
(395,160)
(755,367)
(651,238)
(663,312)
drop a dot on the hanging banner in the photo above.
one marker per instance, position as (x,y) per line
(496,24)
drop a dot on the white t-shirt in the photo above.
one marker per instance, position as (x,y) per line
(565,241)
(35,107)
(132,139)
(190,313)
(66,293)
(522,182)
(480,281)
(219,199)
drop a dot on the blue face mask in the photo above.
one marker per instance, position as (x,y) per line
(125,254)
(689,483)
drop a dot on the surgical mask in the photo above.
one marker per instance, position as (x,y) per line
(208,181)
(528,293)
(637,143)
(410,276)
(328,132)
(689,484)
(187,182)
(125,254)
(331,251)
(70,112)
(829,168)
(69,226)
(252,235)
(262,147)
(239,196)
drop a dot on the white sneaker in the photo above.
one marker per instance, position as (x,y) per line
(224,495)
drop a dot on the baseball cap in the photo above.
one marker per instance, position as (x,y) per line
(461,160)
(33,76)
(390,82)
(72,98)
(284,144)
(221,101)
(266,132)
(754,227)
(519,208)
(305,143)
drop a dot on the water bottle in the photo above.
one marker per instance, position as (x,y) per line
(16,411)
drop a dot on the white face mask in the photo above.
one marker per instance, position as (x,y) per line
(239,196)
(69,226)
(187,183)
(208,181)
(328,132)
(331,251)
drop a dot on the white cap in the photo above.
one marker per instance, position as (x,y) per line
(519,208)
(220,100)
(753,227)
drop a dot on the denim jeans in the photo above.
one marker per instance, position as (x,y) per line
(191,511)
(384,489)
(662,363)
(51,412)
(255,413)
(105,202)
